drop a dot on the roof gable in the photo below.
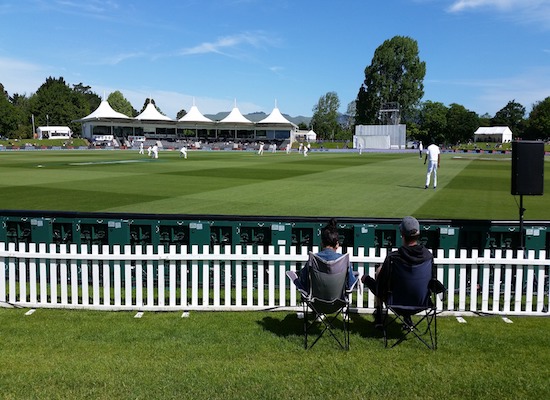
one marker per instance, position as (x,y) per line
(105,111)
(194,115)
(152,114)
(235,117)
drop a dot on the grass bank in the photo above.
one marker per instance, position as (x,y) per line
(96,355)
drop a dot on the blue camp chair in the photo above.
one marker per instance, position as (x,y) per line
(410,299)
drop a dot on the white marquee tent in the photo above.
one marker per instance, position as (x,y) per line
(498,134)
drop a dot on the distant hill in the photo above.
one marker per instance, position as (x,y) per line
(258,116)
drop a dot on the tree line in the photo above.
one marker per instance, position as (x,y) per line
(56,103)
(393,81)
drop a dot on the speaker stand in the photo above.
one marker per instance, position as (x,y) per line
(521,212)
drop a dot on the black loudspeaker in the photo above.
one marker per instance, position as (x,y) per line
(527,168)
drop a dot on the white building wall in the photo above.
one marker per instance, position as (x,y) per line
(396,134)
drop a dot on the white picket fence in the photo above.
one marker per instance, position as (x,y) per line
(152,278)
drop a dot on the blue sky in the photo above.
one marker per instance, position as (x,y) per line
(479,53)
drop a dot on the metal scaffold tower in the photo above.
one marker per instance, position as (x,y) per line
(389,114)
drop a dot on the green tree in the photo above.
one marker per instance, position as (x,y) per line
(433,122)
(325,116)
(349,121)
(485,120)
(23,114)
(512,116)
(85,91)
(3,91)
(181,113)
(395,75)
(55,103)
(538,123)
(8,117)
(147,101)
(461,124)
(118,102)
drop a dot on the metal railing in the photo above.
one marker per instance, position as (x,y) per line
(246,278)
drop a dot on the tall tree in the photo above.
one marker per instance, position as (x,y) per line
(538,124)
(350,116)
(325,116)
(23,114)
(433,122)
(92,98)
(461,124)
(395,75)
(8,117)
(3,92)
(512,116)
(152,101)
(55,103)
(119,103)
(181,113)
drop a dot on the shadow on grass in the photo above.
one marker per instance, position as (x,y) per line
(411,186)
(290,325)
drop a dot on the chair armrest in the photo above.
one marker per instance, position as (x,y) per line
(436,286)
(293,276)
(356,285)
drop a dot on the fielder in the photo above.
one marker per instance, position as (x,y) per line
(432,155)
(183,152)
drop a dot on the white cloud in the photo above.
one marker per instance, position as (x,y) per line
(490,95)
(532,86)
(118,58)
(224,44)
(461,5)
(20,76)
(522,11)
(94,8)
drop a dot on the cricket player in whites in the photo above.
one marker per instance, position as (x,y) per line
(432,156)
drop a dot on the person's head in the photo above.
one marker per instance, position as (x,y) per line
(329,234)
(410,230)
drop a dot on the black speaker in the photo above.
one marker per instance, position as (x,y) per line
(527,168)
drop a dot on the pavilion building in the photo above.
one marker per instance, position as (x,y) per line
(106,124)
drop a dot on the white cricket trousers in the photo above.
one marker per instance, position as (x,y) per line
(432,167)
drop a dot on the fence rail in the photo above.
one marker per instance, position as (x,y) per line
(241,278)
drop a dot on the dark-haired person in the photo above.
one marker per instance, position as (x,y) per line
(411,253)
(330,243)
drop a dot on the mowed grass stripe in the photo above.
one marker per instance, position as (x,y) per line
(482,191)
(243,183)
(34,198)
(340,186)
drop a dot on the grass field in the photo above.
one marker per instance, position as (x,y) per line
(471,186)
(62,354)
(57,354)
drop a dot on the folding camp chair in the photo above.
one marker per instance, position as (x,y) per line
(411,301)
(326,298)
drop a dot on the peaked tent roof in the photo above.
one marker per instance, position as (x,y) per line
(235,117)
(194,115)
(152,114)
(275,118)
(104,111)
(492,130)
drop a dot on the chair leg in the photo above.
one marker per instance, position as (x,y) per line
(427,336)
(306,318)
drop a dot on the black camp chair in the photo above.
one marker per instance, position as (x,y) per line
(410,299)
(326,298)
